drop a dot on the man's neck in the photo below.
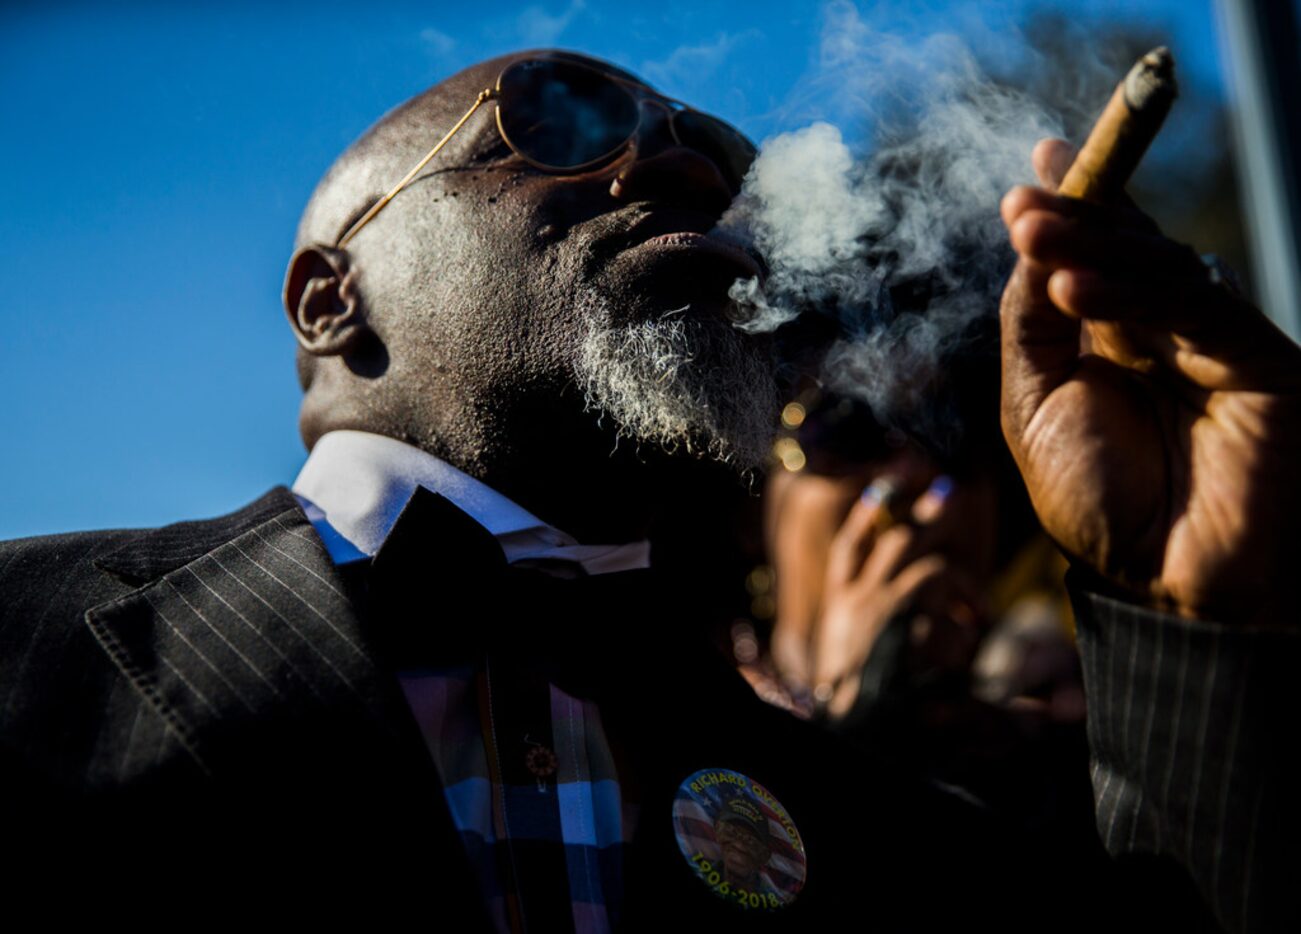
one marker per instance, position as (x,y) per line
(355,484)
(593,506)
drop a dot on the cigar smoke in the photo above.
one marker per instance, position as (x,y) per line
(898,238)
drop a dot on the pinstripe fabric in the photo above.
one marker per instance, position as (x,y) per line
(184,700)
(48,741)
(194,727)
(1195,764)
(193,720)
(249,626)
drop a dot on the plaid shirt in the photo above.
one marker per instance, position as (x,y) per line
(527,771)
(563,819)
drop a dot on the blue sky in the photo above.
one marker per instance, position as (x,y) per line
(157,157)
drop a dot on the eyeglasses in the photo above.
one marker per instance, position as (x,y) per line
(565,117)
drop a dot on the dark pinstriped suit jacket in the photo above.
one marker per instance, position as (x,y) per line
(1196,748)
(197,709)
(196,716)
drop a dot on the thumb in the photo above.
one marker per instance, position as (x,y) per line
(1040,349)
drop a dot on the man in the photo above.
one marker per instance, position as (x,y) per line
(434,683)
(1154,416)
(743,840)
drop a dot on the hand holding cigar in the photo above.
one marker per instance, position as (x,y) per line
(1156,453)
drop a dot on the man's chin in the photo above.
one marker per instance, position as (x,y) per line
(692,281)
(686,383)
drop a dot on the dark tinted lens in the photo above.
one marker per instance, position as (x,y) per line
(728,149)
(564,115)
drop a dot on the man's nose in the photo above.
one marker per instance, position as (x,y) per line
(663,170)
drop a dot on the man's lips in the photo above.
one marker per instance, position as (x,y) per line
(704,243)
(672,231)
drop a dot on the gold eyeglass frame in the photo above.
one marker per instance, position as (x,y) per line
(494,93)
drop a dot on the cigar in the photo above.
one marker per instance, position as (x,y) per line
(1124,131)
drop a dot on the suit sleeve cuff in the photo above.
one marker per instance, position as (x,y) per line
(1192,733)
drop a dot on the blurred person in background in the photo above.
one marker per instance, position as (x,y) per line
(920,610)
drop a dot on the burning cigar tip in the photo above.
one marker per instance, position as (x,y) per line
(1151,82)
(1159,59)
(1124,130)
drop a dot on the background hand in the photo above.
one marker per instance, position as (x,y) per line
(875,575)
(1155,416)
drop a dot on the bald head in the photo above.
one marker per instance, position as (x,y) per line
(369,168)
(385,153)
(493,313)
(372,165)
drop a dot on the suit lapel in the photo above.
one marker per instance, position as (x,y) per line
(241,634)
(248,641)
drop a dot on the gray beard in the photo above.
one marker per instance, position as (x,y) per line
(683,384)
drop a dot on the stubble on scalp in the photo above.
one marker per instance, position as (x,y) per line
(681,383)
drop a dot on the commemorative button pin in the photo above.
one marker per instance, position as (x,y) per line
(739,840)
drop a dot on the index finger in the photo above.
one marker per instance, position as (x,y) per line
(1022,199)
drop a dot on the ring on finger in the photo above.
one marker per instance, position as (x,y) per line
(886,493)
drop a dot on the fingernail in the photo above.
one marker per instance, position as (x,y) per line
(941,487)
(930,503)
(879,490)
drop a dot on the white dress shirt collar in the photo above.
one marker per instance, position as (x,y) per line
(355,483)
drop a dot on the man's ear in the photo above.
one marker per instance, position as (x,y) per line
(324,313)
